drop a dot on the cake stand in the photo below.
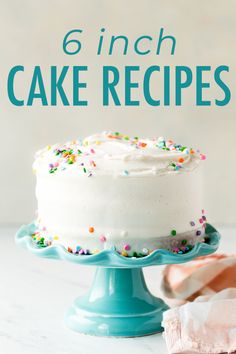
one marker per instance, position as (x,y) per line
(118,302)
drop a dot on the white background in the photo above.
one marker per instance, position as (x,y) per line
(31,33)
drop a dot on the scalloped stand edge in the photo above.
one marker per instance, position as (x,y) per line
(118,302)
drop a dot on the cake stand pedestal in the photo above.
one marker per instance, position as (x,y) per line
(119,302)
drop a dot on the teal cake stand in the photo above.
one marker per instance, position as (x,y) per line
(119,302)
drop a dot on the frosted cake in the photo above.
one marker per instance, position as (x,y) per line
(111,191)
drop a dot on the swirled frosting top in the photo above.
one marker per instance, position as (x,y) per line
(117,154)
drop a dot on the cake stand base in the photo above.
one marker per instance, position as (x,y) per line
(118,304)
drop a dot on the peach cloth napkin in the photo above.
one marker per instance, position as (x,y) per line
(206,320)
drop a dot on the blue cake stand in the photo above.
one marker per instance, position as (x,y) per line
(119,302)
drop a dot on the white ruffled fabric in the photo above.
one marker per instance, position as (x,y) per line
(207,325)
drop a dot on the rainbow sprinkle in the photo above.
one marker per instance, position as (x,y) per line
(82,154)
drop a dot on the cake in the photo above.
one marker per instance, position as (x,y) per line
(110,191)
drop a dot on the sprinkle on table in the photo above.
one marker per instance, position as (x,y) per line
(91,229)
(173,232)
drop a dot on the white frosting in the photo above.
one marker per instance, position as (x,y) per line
(133,195)
(116,155)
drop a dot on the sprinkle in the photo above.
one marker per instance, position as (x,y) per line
(174,166)
(181,160)
(52,170)
(69,250)
(201,221)
(125,173)
(55,237)
(203,218)
(91,229)
(124,253)
(192,223)
(202,157)
(102,238)
(84,169)
(92,163)
(78,248)
(198,233)
(145,251)
(92,151)
(173,232)
(127,247)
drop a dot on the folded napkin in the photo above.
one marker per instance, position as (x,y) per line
(207,325)
(206,320)
(203,276)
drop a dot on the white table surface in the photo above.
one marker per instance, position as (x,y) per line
(35,293)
